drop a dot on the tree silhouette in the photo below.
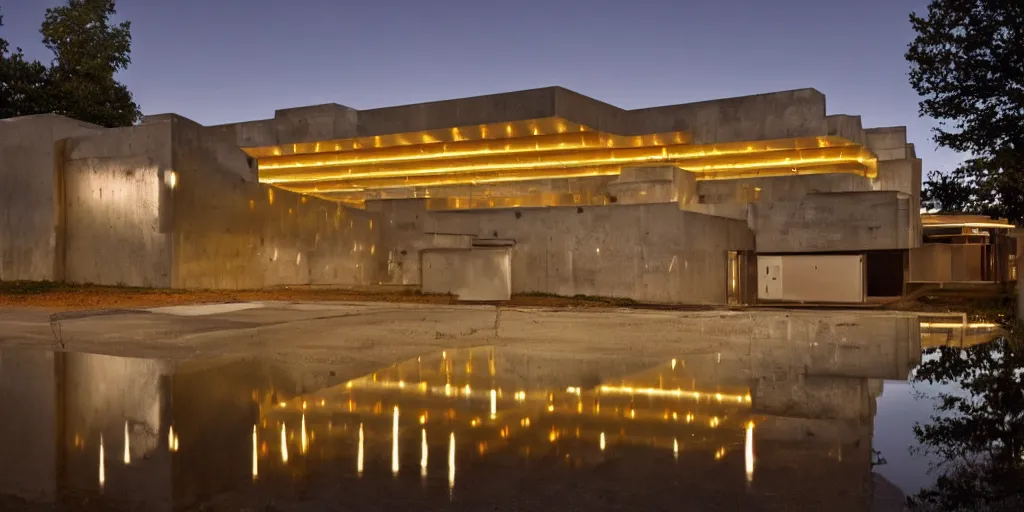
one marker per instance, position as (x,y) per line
(978,433)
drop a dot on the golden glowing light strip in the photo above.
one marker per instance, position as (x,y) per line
(674,393)
(358,186)
(958,325)
(464,136)
(490,131)
(990,225)
(683,156)
(559,142)
(437,181)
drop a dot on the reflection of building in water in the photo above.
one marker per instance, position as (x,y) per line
(775,424)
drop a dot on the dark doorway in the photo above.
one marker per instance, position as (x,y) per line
(885,273)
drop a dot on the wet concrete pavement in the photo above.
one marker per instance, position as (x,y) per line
(280,406)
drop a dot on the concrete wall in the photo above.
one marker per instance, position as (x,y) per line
(946,262)
(795,113)
(478,274)
(853,221)
(647,252)
(316,122)
(778,188)
(811,278)
(231,232)
(31,238)
(170,204)
(115,185)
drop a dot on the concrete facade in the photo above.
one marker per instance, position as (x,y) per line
(31,212)
(170,203)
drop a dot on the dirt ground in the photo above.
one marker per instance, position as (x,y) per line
(62,297)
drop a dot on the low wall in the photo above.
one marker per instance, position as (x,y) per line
(476,274)
(946,263)
(646,252)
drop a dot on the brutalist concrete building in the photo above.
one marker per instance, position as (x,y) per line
(740,200)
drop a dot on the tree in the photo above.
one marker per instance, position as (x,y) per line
(978,431)
(967,62)
(88,50)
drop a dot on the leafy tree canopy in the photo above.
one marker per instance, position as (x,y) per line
(88,50)
(967,63)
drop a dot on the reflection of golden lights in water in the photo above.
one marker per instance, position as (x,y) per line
(451,461)
(170,438)
(103,468)
(748,452)
(494,403)
(394,443)
(304,440)
(255,454)
(359,454)
(676,393)
(127,445)
(720,453)
(675,448)
(423,453)
(284,444)
(602,441)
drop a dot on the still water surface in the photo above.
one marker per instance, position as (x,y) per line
(487,428)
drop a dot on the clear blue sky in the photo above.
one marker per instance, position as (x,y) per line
(218,61)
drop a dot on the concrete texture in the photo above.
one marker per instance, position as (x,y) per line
(946,262)
(646,252)
(813,381)
(231,232)
(165,204)
(478,274)
(28,407)
(853,221)
(115,189)
(31,213)
(796,113)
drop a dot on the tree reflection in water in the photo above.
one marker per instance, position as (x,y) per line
(976,432)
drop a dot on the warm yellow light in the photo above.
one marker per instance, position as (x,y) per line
(551,407)
(171,178)
(494,403)
(423,453)
(423,419)
(451,461)
(359,452)
(955,325)
(748,452)
(657,392)
(127,443)
(602,441)
(675,448)
(394,442)
(255,454)
(103,467)
(673,363)
(284,444)
(303,440)
(714,422)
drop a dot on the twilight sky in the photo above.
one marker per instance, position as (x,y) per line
(219,61)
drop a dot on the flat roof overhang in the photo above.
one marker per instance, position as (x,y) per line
(345,170)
